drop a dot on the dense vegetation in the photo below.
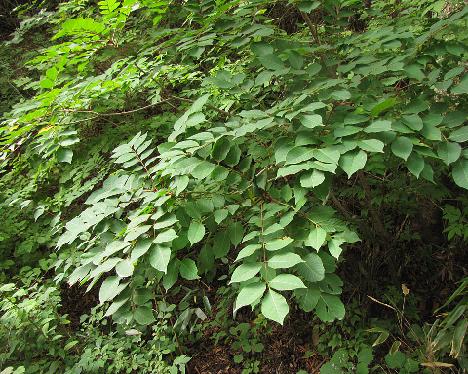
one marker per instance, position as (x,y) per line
(222,186)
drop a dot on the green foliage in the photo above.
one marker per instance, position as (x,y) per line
(160,146)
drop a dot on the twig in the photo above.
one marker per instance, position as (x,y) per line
(312,27)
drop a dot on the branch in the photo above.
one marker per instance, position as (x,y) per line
(312,27)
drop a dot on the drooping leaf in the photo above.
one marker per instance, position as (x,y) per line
(316,238)
(188,269)
(196,232)
(275,307)
(249,294)
(402,147)
(353,161)
(159,257)
(245,272)
(285,282)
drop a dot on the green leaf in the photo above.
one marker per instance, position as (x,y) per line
(353,161)
(203,170)
(188,269)
(308,298)
(329,308)
(65,155)
(312,179)
(284,260)
(196,232)
(460,174)
(220,215)
(286,282)
(247,251)
(402,147)
(449,152)
(245,272)
(334,247)
(109,288)
(413,121)
(136,232)
(171,276)
(312,269)
(236,233)
(144,315)
(327,155)
(278,243)
(311,120)
(159,257)
(379,126)
(271,62)
(383,106)
(275,307)
(124,268)
(415,164)
(165,236)
(249,294)
(460,135)
(221,149)
(316,238)
(371,145)
(462,87)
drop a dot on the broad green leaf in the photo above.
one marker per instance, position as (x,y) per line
(316,238)
(334,247)
(460,174)
(275,307)
(383,106)
(159,257)
(221,149)
(188,269)
(460,135)
(413,121)
(271,62)
(371,145)
(402,147)
(278,243)
(203,170)
(220,215)
(245,272)
(308,298)
(415,164)
(449,152)
(136,232)
(236,233)
(311,120)
(109,288)
(286,282)
(284,260)
(144,315)
(124,268)
(65,155)
(249,294)
(233,156)
(299,154)
(196,232)
(312,179)
(165,236)
(327,155)
(379,126)
(329,308)
(312,269)
(141,247)
(170,277)
(353,161)
(247,251)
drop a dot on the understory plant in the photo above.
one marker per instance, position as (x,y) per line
(166,148)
